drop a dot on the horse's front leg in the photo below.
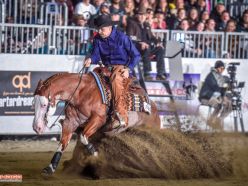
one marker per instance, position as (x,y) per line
(93,124)
(64,141)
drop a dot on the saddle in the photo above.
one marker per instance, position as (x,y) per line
(136,97)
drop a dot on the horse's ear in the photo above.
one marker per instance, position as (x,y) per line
(40,83)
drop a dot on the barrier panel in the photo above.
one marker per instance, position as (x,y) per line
(71,40)
(23,39)
(237,45)
(53,13)
(22,11)
(2,13)
(162,35)
(200,44)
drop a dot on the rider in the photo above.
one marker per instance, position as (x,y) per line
(118,53)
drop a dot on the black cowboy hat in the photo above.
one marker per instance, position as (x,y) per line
(103,21)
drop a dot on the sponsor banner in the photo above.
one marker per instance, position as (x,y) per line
(181,90)
(17,91)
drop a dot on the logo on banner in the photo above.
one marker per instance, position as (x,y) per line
(22,81)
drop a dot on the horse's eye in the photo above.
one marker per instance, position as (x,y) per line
(44,105)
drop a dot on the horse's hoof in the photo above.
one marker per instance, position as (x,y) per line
(48,171)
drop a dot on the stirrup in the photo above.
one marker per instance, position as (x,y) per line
(120,123)
(121,120)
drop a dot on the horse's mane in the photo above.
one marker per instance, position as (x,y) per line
(48,81)
(53,77)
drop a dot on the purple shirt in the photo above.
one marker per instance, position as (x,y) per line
(117,49)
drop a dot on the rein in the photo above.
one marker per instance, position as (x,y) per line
(84,70)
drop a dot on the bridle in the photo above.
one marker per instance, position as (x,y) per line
(84,70)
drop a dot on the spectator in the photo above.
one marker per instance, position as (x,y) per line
(104,9)
(200,27)
(210,25)
(163,5)
(80,40)
(159,22)
(140,31)
(204,16)
(201,6)
(9,19)
(179,4)
(129,7)
(193,18)
(117,8)
(243,25)
(117,21)
(85,8)
(233,41)
(174,22)
(190,48)
(216,13)
(97,4)
(231,26)
(190,4)
(209,44)
(153,4)
(143,3)
(70,8)
(225,17)
(150,16)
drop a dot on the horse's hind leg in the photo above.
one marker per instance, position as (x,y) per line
(94,123)
(64,141)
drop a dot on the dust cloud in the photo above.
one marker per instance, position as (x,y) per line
(151,153)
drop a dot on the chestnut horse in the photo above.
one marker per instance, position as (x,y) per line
(85,110)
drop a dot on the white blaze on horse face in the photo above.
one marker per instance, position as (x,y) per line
(51,110)
(40,106)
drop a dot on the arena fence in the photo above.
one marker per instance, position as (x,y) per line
(237,45)
(162,35)
(25,39)
(200,44)
(33,12)
(2,15)
(72,40)
(53,13)
(21,11)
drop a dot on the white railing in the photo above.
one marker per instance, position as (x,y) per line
(73,40)
(22,11)
(53,13)
(237,45)
(25,39)
(200,44)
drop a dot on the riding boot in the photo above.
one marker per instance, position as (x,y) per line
(119,89)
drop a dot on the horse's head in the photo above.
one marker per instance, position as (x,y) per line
(43,108)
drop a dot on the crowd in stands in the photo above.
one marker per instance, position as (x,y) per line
(160,14)
(185,15)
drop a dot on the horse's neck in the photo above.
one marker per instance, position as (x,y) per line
(63,90)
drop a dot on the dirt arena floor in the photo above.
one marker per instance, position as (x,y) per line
(28,157)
